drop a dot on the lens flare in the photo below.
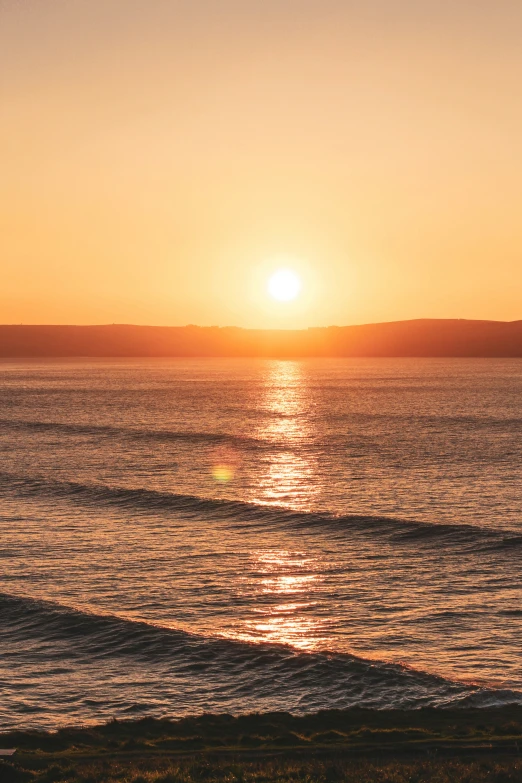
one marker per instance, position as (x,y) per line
(222,473)
(223,464)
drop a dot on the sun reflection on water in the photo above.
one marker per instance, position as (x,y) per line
(283,594)
(282,591)
(287,473)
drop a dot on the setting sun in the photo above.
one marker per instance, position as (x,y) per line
(284,285)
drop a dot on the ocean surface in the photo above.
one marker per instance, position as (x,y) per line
(181,536)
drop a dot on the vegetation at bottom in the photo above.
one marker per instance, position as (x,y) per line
(443,746)
(280,770)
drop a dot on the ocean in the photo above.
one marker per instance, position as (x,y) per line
(183,536)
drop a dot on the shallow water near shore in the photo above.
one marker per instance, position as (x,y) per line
(181,536)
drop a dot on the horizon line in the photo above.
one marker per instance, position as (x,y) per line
(256,328)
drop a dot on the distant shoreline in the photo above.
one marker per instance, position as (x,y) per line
(443,338)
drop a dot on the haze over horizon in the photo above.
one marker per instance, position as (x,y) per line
(163,159)
(419,320)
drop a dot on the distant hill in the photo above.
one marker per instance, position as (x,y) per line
(424,337)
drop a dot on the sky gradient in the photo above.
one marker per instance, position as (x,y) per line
(160,158)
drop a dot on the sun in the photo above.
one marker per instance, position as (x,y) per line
(284,285)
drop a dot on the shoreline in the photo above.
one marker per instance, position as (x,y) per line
(356,744)
(357,730)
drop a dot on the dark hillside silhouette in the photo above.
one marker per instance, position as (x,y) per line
(424,337)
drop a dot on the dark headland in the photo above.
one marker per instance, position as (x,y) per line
(417,338)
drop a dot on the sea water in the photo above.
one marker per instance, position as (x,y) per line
(190,535)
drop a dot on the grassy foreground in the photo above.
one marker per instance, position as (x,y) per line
(468,746)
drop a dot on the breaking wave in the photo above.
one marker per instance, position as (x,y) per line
(187,673)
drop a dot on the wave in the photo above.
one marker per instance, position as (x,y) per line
(239,513)
(60,639)
(509,423)
(493,424)
(131,434)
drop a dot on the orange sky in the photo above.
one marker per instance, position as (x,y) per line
(161,157)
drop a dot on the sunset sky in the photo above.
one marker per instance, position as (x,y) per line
(162,158)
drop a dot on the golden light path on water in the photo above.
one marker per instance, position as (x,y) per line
(285,590)
(286,475)
(291,580)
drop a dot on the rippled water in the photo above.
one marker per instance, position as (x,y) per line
(189,535)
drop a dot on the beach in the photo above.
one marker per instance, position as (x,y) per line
(356,745)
